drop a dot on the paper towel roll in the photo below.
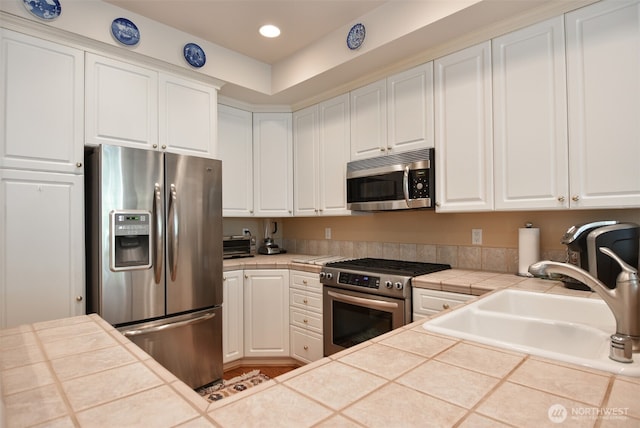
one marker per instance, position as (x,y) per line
(528,249)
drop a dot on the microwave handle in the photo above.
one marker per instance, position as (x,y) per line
(405,184)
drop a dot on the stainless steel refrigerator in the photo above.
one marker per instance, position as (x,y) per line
(154,254)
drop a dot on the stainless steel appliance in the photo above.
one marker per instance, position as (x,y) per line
(393,182)
(154,259)
(235,246)
(269,246)
(363,298)
(624,240)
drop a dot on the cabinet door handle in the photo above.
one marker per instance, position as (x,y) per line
(164,146)
(79,298)
(155,146)
(304,281)
(575,198)
(246,276)
(79,164)
(305,301)
(305,321)
(561,198)
(306,348)
(445,306)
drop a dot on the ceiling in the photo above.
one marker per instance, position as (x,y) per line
(233,24)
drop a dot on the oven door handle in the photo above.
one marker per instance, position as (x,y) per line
(377,304)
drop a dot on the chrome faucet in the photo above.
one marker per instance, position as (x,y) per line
(624,301)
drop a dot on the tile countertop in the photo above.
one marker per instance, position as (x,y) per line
(80,371)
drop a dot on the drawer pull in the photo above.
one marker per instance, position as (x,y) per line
(304,281)
(305,321)
(305,301)
(445,306)
(306,348)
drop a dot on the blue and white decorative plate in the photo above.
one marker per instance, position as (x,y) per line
(43,9)
(125,31)
(194,55)
(356,36)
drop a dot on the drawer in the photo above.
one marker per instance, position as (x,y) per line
(306,281)
(305,346)
(429,302)
(305,300)
(306,319)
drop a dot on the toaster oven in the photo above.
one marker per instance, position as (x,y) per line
(238,246)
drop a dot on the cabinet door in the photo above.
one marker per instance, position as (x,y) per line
(603,65)
(410,109)
(187,117)
(42,247)
(235,146)
(41,105)
(333,154)
(369,120)
(305,162)
(273,163)
(121,103)
(232,316)
(266,313)
(530,118)
(463,126)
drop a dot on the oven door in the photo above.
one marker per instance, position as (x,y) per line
(352,317)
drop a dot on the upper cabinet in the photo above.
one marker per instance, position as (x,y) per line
(394,114)
(603,65)
(42,103)
(530,118)
(410,109)
(133,106)
(235,149)
(321,153)
(273,164)
(463,130)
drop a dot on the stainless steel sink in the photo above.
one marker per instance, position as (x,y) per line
(570,329)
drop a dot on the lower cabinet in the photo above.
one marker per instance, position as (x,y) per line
(305,297)
(232,316)
(429,302)
(41,246)
(266,313)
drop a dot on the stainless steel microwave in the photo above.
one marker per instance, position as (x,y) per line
(393,182)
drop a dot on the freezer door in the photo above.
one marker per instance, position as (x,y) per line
(189,346)
(193,188)
(121,178)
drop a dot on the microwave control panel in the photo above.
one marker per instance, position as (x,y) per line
(418,183)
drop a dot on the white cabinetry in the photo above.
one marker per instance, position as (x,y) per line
(369,120)
(42,105)
(306,316)
(235,148)
(41,181)
(42,246)
(430,302)
(266,313)
(463,127)
(410,109)
(232,316)
(394,114)
(134,106)
(530,118)
(321,152)
(273,164)
(603,65)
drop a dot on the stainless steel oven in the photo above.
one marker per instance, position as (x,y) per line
(364,298)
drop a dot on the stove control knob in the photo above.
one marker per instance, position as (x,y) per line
(399,285)
(329,275)
(322,275)
(388,284)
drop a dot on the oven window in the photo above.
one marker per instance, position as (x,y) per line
(387,187)
(356,324)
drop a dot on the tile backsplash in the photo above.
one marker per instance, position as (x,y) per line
(458,256)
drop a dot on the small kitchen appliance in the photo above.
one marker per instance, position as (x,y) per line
(235,246)
(269,246)
(363,298)
(623,239)
(393,182)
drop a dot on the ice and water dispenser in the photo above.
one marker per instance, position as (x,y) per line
(130,240)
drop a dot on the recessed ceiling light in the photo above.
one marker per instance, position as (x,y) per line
(270,31)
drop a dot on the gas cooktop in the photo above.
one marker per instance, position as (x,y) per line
(393,267)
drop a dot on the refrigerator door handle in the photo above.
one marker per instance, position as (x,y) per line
(157,241)
(169,326)
(173,234)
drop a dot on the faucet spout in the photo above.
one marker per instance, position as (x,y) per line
(624,300)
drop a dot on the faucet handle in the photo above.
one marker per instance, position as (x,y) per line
(623,265)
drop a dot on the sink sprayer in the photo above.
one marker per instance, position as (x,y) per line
(623,300)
